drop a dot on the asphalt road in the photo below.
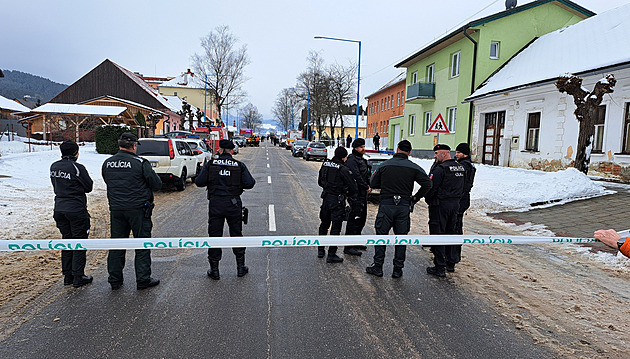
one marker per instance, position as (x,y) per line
(290,305)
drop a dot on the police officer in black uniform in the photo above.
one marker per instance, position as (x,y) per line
(337,183)
(71,181)
(443,200)
(462,154)
(130,184)
(396,177)
(361,172)
(225,178)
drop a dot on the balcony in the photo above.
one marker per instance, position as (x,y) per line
(421,92)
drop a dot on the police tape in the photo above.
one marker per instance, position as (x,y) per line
(272,242)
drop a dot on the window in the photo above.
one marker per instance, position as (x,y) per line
(533,131)
(414,77)
(455,63)
(494,50)
(626,130)
(598,138)
(382,104)
(402,96)
(452,118)
(412,125)
(431,73)
(427,122)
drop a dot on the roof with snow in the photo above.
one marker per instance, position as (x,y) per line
(175,103)
(185,80)
(401,77)
(591,44)
(6,104)
(77,109)
(351,121)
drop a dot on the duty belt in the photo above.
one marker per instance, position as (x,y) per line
(399,202)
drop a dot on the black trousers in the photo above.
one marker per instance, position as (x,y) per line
(443,220)
(391,216)
(122,223)
(332,212)
(220,210)
(73,225)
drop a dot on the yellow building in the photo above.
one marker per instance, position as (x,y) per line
(350,124)
(190,88)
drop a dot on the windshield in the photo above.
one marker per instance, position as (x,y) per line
(152,148)
(193,145)
(301,143)
(318,145)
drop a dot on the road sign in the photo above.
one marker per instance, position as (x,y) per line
(438,125)
(313,132)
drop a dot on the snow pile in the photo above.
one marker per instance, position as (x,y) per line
(19,145)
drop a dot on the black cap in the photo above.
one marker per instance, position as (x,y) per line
(463,148)
(358,143)
(128,136)
(440,146)
(404,146)
(226,144)
(341,152)
(69,148)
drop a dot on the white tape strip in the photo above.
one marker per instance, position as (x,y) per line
(273,241)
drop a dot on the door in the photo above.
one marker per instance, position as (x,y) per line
(493,134)
(396,135)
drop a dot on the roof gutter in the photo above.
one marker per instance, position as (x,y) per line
(472,82)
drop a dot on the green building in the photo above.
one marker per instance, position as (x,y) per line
(441,75)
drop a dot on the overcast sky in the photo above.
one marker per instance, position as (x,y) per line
(63,40)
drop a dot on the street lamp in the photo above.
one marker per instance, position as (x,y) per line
(308,109)
(356,133)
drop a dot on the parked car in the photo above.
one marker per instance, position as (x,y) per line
(283,141)
(172,159)
(236,148)
(298,148)
(375,160)
(315,150)
(239,140)
(201,151)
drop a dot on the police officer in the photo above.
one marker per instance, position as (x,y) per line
(337,183)
(71,181)
(225,178)
(396,177)
(448,185)
(462,154)
(361,172)
(376,140)
(130,184)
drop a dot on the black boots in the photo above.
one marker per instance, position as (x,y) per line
(375,269)
(353,251)
(68,279)
(213,272)
(241,269)
(321,252)
(333,258)
(438,272)
(152,282)
(81,280)
(397,273)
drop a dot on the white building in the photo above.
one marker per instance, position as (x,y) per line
(522,120)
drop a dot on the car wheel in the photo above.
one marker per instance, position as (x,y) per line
(181,184)
(306,158)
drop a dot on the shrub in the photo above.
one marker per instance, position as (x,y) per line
(106,138)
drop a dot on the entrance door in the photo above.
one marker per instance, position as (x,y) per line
(493,134)
(396,135)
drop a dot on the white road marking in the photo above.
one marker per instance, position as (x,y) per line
(272,218)
(267,165)
(268,179)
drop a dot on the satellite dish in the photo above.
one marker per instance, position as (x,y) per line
(510,4)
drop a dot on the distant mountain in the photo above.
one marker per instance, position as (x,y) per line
(17,84)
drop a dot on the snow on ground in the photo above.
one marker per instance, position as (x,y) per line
(26,194)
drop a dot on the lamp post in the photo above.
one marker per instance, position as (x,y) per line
(356,132)
(205,95)
(308,109)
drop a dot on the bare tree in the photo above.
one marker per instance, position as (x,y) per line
(342,83)
(587,106)
(314,80)
(251,117)
(286,108)
(221,66)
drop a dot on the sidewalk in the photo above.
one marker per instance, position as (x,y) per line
(580,218)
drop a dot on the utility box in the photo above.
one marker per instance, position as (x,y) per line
(514,145)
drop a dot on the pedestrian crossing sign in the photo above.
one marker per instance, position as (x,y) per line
(438,125)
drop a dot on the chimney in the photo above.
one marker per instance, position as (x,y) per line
(510,4)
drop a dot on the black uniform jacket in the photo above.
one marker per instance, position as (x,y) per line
(335,178)
(130,181)
(396,176)
(225,184)
(469,178)
(448,182)
(360,171)
(71,181)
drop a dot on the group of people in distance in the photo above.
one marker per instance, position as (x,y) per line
(446,190)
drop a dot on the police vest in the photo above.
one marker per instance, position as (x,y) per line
(331,178)
(452,186)
(224,174)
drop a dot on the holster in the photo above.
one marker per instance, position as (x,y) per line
(148,209)
(245,214)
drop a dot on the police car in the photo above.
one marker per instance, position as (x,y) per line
(375,160)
